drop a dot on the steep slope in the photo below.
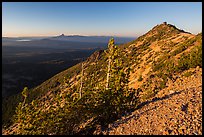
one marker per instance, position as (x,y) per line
(158,57)
(175,110)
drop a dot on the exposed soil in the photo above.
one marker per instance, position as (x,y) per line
(175,110)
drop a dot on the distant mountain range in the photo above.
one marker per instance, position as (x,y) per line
(73,38)
(100,39)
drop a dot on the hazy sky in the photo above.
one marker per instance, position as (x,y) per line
(97,18)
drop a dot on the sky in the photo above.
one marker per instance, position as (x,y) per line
(127,19)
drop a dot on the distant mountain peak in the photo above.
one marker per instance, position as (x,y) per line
(62,35)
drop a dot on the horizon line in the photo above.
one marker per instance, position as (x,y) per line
(71,35)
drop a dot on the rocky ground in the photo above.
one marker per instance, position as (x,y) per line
(175,110)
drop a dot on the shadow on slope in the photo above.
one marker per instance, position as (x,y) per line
(129,115)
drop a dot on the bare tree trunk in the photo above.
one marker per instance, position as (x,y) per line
(108,74)
(80,91)
(23,103)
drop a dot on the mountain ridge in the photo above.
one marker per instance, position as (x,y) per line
(71,38)
(82,38)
